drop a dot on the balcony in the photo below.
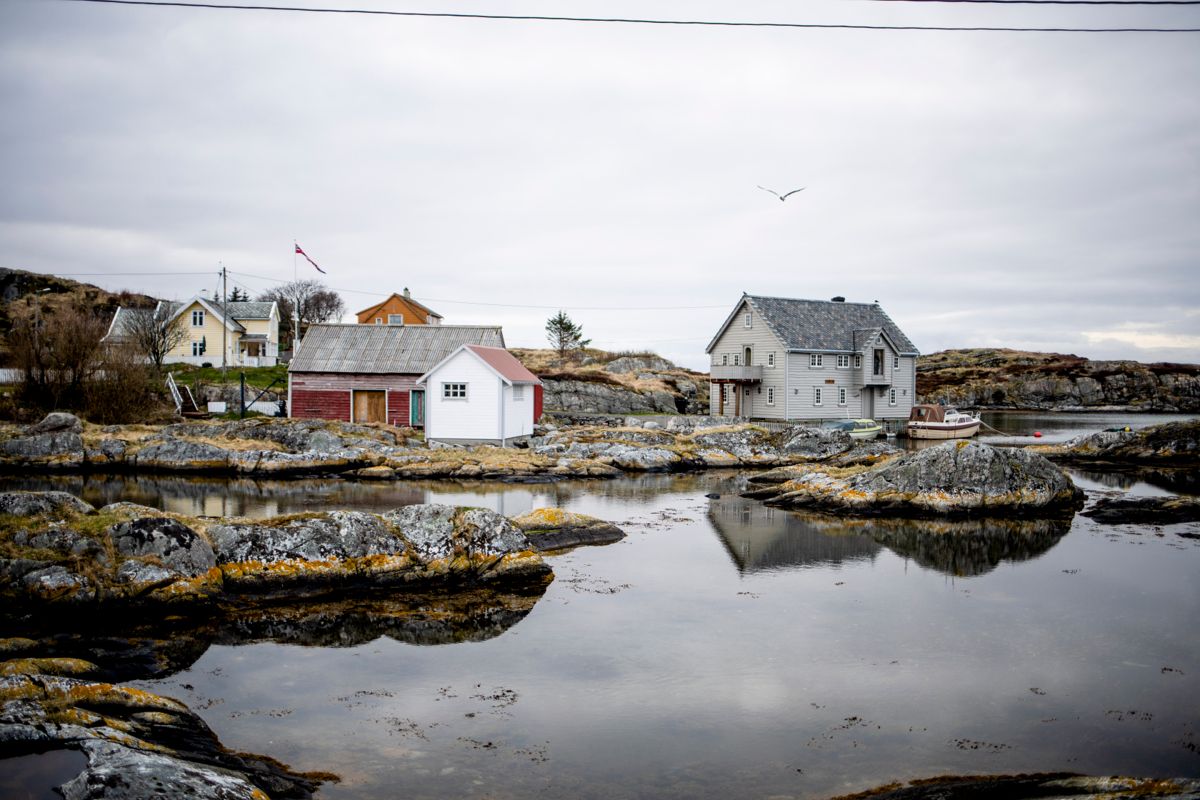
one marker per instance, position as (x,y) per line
(736,374)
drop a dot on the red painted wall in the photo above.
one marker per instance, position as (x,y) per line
(320,395)
(537,402)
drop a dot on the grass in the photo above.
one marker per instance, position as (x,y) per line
(259,377)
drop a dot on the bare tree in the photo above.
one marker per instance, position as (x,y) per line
(314,301)
(152,332)
(56,353)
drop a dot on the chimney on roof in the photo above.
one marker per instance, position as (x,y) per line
(407,296)
(838,299)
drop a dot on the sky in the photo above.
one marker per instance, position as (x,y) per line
(1038,191)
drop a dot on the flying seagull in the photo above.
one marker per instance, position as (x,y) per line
(784,196)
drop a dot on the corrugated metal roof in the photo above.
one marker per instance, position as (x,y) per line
(505,363)
(826,325)
(390,349)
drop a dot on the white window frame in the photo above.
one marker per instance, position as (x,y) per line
(891,397)
(395,319)
(841,395)
(771,360)
(816,361)
(895,362)
(379,320)
(197,317)
(817,399)
(518,392)
(770,395)
(454,390)
(737,359)
(725,359)
(749,323)
(843,362)
(858,360)
(196,350)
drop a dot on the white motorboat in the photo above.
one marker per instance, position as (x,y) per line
(931,421)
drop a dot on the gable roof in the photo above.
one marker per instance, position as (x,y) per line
(402,299)
(822,324)
(500,361)
(386,349)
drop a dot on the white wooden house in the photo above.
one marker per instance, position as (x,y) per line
(814,360)
(248,332)
(480,395)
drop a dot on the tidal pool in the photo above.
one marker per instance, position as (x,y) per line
(726,649)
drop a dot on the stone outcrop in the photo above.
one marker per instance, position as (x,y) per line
(1137,510)
(595,397)
(556,529)
(1029,787)
(963,478)
(1170,444)
(53,443)
(71,557)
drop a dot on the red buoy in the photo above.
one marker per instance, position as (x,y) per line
(1037,434)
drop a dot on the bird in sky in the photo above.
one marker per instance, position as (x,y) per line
(785,195)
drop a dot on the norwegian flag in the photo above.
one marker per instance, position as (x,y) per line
(309,260)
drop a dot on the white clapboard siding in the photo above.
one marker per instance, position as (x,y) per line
(762,342)
(518,414)
(476,417)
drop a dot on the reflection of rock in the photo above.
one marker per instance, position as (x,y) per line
(955,479)
(1029,787)
(758,537)
(556,529)
(1144,510)
(138,744)
(962,548)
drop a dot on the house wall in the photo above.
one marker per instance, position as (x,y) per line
(320,395)
(762,341)
(803,379)
(518,414)
(475,418)
(267,327)
(211,333)
(395,305)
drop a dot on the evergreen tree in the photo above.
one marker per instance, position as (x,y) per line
(564,335)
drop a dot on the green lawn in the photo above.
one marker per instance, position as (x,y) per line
(255,376)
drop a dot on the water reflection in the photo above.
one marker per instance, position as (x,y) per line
(155,649)
(758,537)
(1139,480)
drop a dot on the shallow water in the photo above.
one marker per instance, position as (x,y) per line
(1019,427)
(726,649)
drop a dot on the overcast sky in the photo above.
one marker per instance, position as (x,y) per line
(1028,190)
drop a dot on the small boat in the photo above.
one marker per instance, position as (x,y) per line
(938,422)
(858,428)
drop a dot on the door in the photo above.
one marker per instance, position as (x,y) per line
(370,406)
(868,402)
(416,408)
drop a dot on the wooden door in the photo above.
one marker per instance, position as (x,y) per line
(370,406)
(416,408)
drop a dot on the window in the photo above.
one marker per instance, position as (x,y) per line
(816,360)
(770,359)
(858,361)
(518,392)
(379,320)
(735,359)
(841,396)
(197,348)
(891,397)
(895,362)
(454,391)
(725,359)
(816,395)
(197,319)
(770,395)
(395,319)
(749,319)
(843,362)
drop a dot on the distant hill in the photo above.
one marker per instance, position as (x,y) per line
(21,291)
(1013,379)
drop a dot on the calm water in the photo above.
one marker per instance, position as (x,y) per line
(1018,427)
(725,649)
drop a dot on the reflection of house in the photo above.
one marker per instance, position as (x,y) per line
(249,331)
(761,538)
(480,395)
(399,310)
(368,373)
(779,358)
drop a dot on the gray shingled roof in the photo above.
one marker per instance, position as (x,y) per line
(826,325)
(387,349)
(239,310)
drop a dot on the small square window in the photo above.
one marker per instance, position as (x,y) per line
(518,392)
(816,396)
(454,391)
(395,319)
(379,320)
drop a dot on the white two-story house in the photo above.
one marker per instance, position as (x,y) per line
(247,331)
(811,360)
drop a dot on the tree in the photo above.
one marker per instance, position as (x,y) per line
(152,332)
(238,296)
(315,303)
(564,335)
(57,353)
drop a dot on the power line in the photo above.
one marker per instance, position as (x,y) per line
(629,20)
(1058,2)
(123,274)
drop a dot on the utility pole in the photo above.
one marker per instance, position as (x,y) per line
(224,321)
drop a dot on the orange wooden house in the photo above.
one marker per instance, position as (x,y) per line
(399,310)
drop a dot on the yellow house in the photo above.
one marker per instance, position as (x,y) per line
(248,332)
